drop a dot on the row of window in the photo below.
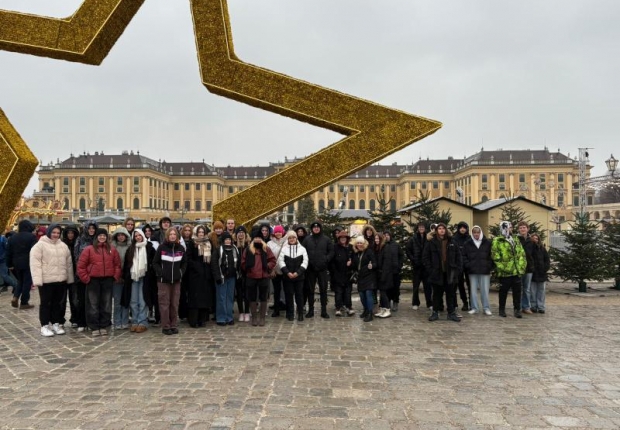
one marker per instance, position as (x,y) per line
(424,185)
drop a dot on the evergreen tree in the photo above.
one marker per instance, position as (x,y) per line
(585,257)
(427,211)
(384,219)
(611,243)
(305,213)
(513,213)
(330,221)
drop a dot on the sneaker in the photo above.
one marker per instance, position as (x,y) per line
(96,333)
(502,313)
(415,307)
(454,317)
(350,312)
(81,329)
(15,302)
(133,328)
(174,330)
(541,311)
(518,313)
(104,331)
(338,313)
(473,311)
(74,325)
(124,326)
(395,307)
(58,329)
(166,331)
(465,307)
(527,311)
(45,331)
(386,313)
(26,306)
(379,312)
(434,316)
(241,317)
(488,312)
(117,327)
(247,318)
(368,317)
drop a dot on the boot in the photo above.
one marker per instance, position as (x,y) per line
(276,312)
(300,316)
(324,313)
(454,317)
(502,312)
(261,313)
(434,316)
(363,314)
(518,313)
(310,313)
(254,313)
(14,302)
(368,317)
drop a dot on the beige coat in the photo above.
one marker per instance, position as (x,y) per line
(50,262)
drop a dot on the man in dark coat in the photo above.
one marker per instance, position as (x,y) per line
(415,248)
(461,237)
(320,252)
(18,258)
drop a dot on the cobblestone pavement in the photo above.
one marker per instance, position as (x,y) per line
(558,370)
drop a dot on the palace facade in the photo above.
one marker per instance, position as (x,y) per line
(131,184)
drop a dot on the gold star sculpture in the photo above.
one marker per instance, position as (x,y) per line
(372,131)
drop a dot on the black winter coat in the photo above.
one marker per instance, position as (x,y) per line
(200,282)
(478,261)
(528,247)
(390,264)
(366,278)
(320,251)
(541,263)
(340,272)
(170,263)
(432,261)
(18,250)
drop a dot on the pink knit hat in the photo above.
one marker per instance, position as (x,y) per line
(278,229)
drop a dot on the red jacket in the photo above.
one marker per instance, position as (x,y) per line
(252,263)
(99,263)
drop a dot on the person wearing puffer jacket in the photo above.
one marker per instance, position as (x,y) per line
(293,262)
(99,267)
(275,244)
(121,241)
(87,238)
(18,258)
(478,263)
(510,265)
(51,267)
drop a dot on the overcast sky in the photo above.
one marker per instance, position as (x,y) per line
(512,75)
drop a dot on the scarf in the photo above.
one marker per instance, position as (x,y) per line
(138,268)
(479,241)
(204,248)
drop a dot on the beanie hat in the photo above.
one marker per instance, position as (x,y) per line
(278,229)
(256,233)
(225,235)
(101,231)
(241,228)
(316,224)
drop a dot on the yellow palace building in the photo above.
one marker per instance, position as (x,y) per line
(131,184)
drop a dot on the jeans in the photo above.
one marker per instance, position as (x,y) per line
(483,282)
(225,299)
(139,312)
(168,296)
(538,295)
(99,303)
(51,297)
(24,282)
(507,283)
(121,313)
(367,299)
(526,280)
(9,280)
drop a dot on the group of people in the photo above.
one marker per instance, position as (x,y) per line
(160,276)
(444,263)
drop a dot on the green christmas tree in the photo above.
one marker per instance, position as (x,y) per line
(513,213)
(611,243)
(305,213)
(584,257)
(427,211)
(330,221)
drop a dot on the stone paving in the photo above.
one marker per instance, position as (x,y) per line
(558,370)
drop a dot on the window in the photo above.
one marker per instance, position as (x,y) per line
(393,205)
(150,182)
(484,198)
(136,185)
(197,205)
(446,185)
(362,189)
(393,188)
(412,185)
(119,204)
(177,205)
(576,201)
(65,182)
(186,205)
(435,185)
(560,200)
(485,178)
(560,177)
(208,205)
(522,178)
(231,190)
(502,186)
(65,204)
(208,186)
(136,203)
(423,185)
(362,204)
(119,181)
(341,188)
(502,177)
(351,204)
(330,204)
(372,205)
(590,200)
(176,187)
(321,205)
(101,182)
(331,188)
(372,188)
(102,189)
(151,203)
(82,182)
(542,181)
(352,188)
(82,204)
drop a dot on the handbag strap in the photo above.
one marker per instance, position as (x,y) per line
(359,263)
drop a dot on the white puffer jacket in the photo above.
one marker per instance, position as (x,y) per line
(50,261)
(276,246)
